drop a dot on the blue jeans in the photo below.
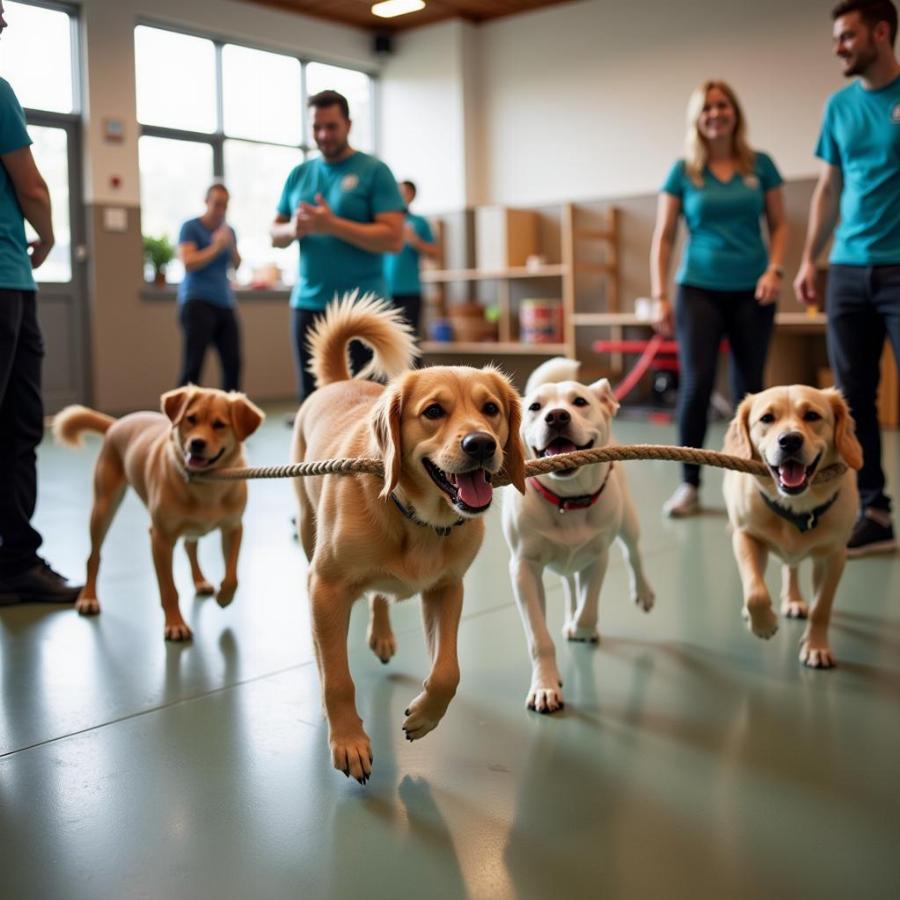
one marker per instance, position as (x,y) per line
(863,305)
(702,318)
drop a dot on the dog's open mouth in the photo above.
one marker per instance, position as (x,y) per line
(470,491)
(561,445)
(792,476)
(198,461)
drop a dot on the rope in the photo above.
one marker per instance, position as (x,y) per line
(543,466)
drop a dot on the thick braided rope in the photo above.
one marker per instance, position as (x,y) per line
(370,466)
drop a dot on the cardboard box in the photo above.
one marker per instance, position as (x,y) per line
(504,238)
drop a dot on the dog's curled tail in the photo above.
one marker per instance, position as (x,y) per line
(73,421)
(370,320)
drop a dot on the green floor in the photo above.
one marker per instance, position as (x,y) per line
(692,759)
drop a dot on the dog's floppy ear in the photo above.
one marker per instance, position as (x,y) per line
(387,416)
(174,403)
(737,438)
(246,417)
(605,394)
(845,441)
(514,449)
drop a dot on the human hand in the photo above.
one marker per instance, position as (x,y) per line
(805,285)
(768,288)
(662,321)
(223,238)
(317,218)
(40,250)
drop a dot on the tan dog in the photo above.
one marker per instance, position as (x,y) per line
(201,430)
(442,433)
(798,432)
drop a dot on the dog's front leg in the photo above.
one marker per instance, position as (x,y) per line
(231,547)
(589,582)
(545,693)
(751,558)
(641,592)
(351,752)
(814,649)
(793,606)
(163,545)
(441,611)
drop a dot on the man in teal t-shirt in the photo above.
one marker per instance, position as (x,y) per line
(860,181)
(402,269)
(345,211)
(24,576)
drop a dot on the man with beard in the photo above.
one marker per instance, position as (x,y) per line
(860,181)
(345,210)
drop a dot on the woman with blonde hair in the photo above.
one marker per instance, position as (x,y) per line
(728,282)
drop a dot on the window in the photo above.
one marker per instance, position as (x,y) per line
(227,112)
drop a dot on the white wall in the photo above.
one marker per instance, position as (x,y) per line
(587,99)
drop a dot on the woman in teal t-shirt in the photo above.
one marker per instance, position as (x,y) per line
(728,282)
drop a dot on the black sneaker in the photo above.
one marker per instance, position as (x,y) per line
(38,585)
(870,536)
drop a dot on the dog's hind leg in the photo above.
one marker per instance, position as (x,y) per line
(629,534)
(380,635)
(231,547)
(163,546)
(109,489)
(201,585)
(792,603)
(588,582)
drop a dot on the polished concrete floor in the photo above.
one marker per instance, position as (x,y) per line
(692,760)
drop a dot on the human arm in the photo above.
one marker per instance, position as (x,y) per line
(823,215)
(668,209)
(34,199)
(383,235)
(283,231)
(194,258)
(768,287)
(419,242)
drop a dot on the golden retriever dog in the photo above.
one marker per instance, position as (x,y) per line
(201,430)
(443,432)
(797,432)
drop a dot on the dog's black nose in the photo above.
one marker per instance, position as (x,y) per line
(479,446)
(557,418)
(790,441)
(197,445)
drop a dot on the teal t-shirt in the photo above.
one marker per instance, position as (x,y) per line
(15,264)
(861,136)
(402,269)
(357,188)
(725,249)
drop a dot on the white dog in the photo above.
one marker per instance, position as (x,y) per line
(566,521)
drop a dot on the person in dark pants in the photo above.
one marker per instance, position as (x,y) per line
(860,181)
(345,211)
(24,576)
(728,282)
(206,307)
(402,269)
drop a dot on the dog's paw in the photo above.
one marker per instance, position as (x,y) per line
(352,755)
(573,632)
(544,699)
(88,606)
(816,655)
(384,646)
(203,588)
(762,621)
(178,631)
(423,715)
(226,593)
(645,598)
(794,609)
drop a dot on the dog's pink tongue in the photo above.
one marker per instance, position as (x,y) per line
(792,473)
(560,446)
(473,489)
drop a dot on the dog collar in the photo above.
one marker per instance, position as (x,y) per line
(803,522)
(564,504)
(410,513)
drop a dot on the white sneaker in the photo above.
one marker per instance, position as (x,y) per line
(684,502)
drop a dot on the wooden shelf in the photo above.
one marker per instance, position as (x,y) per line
(801,321)
(595,319)
(437,276)
(491,348)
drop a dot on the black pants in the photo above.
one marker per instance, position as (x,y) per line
(411,304)
(863,305)
(21,429)
(301,322)
(203,324)
(702,319)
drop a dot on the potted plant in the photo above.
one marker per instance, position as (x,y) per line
(158,251)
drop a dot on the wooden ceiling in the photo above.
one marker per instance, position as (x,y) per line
(358,12)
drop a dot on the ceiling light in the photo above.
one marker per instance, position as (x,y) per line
(387,9)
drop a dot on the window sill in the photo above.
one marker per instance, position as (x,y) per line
(169,293)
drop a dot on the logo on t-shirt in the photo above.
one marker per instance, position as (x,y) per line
(348,182)
(895,114)
(751,181)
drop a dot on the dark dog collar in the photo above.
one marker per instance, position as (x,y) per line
(803,522)
(410,513)
(566,503)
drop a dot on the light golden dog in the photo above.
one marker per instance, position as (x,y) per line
(202,429)
(442,432)
(797,432)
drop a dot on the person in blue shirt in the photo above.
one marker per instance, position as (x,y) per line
(728,280)
(24,576)
(402,269)
(345,211)
(859,184)
(207,246)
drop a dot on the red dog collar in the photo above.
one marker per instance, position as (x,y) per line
(566,503)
